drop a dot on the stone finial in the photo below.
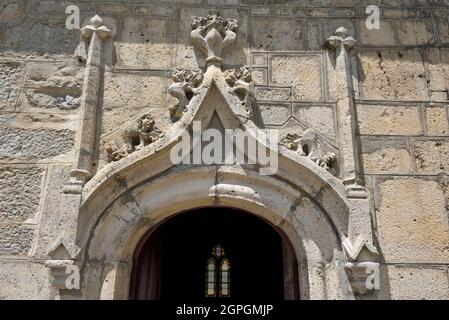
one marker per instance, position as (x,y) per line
(96,25)
(212,35)
(341,38)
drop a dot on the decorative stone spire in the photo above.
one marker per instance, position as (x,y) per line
(343,45)
(212,35)
(94,34)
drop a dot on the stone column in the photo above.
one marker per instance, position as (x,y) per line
(344,46)
(95,35)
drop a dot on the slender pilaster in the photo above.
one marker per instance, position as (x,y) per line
(344,47)
(95,34)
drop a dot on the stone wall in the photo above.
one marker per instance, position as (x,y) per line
(401,77)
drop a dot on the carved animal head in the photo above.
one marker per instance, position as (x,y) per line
(245,74)
(145,123)
(178,75)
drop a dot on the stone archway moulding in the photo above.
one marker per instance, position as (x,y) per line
(327,221)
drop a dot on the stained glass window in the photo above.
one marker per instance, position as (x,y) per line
(218,274)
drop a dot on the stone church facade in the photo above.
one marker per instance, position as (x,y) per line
(89,117)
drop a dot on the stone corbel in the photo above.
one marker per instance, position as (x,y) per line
(350,167)
(361,268)
(96,35)
(65,275)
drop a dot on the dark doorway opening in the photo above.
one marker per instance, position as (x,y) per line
(171,261)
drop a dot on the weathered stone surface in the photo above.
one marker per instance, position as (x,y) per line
(140,47)
(278,35)
(437,121)
(439,73)
(10,78)
(412,221)
(393,75)
(49,39)
(320,118)
(10,12)
(389,120)
(275,114)
(403,280)
(20,141)
(16,239)
(415,32)
(303,73)
(21,193)
(273,94)
(134,90)
(383,155)
(23,280)
(385,36)
(432,156)
(51,87)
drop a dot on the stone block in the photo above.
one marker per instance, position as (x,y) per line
(414,283)
(389,120)
(386,155)
(385,36)
(51,87)
(16,239)
(437,121)
(134,90)
(278,34)
(274,114)
(432,156)
(273,93)
(259,76)
(415,32)
(11,74)
(439,73)
(43,39)
(28,137)
(21,192)
(393,75)
(412,221)
(320,118)
(24,280)
(303,73)
(140,47)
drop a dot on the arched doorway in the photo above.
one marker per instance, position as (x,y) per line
(214,253)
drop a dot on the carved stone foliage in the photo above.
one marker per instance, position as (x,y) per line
(184,87)
(213,34)
(242,85)
(142,133)
(307,145)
